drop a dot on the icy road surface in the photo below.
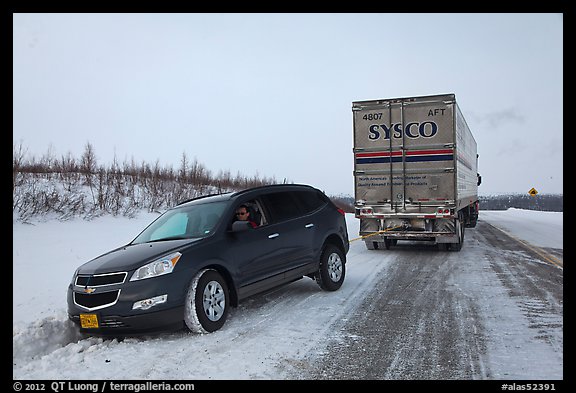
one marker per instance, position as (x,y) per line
(491,311)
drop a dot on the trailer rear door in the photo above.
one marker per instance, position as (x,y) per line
(404,152)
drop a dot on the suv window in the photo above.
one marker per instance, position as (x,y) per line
(257,215)
(281,206)
(309,200)
(197,220)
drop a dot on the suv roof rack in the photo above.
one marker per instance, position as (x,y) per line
(201,197)
(278,185)
(235,193)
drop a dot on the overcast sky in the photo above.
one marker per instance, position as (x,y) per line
(271,94)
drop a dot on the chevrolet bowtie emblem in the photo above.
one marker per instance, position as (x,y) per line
(89,290)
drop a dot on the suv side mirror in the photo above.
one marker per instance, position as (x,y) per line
(240,226)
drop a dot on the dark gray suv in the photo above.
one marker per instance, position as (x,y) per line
(195,261)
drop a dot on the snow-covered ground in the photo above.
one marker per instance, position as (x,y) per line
(45,345)
(542,229)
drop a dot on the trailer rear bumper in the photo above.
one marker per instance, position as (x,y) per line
(438,237)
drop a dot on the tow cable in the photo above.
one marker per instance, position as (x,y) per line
(375,233)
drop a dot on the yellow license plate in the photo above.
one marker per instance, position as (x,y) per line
(89,321)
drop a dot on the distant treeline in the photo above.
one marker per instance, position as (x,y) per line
(80,187)
(68,186)
(542,202)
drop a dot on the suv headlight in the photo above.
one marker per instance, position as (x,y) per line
(157,268)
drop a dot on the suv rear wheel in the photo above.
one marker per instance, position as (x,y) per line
(207,302)
(330,275)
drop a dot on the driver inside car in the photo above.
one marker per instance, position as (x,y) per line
(243,214)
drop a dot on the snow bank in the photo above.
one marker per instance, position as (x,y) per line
(42,337)
(543,229)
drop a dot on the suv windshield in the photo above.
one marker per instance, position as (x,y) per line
(186,222)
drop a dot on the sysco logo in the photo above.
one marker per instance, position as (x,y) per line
(426,129)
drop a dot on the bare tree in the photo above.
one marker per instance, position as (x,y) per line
(65,186)
(88,167)
(88,159)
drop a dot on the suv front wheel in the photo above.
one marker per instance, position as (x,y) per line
(207,302)
(330,275)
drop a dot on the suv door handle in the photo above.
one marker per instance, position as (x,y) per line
(309,226)
(274,235)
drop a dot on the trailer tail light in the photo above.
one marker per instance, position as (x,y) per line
(366,211)
(442,211)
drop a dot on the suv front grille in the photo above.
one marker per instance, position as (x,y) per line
(99,280)
(96,301)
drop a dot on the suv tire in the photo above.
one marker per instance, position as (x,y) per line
(332,270)
(207,302)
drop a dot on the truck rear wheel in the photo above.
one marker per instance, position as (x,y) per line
(389,242)
(460,231)
(371,245)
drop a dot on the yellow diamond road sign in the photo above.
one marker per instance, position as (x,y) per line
(533,191)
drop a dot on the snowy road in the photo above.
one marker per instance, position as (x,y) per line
(491,311)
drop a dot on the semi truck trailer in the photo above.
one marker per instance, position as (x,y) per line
(415,171)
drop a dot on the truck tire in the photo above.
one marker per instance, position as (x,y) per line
(389,242)
(370,245)
(460,230)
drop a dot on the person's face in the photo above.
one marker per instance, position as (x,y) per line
(242,214)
